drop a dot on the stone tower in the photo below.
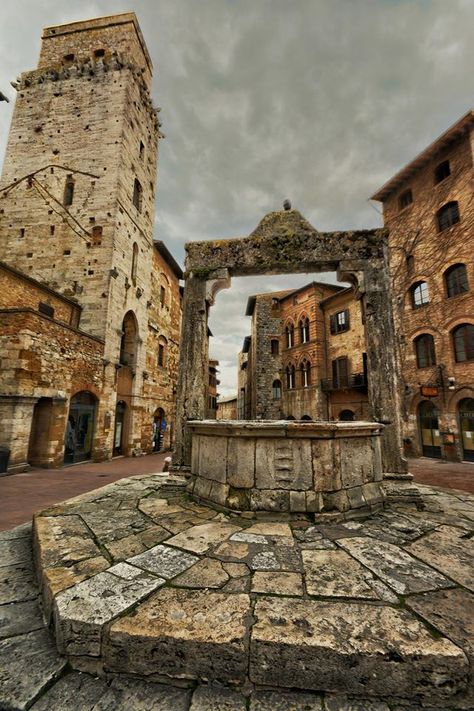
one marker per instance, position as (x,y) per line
(81,163)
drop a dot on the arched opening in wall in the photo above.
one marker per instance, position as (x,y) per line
(119,428)
(290,417)
(40,432)
(133,271)
(306,418)
(428,422)
(466,428)
(279,351)
(159,429)
(346,416)
(128,341)
(80,428)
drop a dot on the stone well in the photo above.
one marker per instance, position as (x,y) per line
(300,467)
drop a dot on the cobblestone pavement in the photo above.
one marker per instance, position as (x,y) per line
(23,494)
(450,475)
(139,581)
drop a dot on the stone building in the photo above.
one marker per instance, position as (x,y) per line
(90,306)
(212,389)
(305,357)
(227,408)
(428,208)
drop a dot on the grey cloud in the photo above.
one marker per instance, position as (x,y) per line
(316,100)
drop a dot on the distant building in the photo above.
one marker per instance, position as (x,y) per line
(212,389)
(227,408)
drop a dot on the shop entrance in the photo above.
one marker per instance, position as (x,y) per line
(429,430)
(80,428)
(466,427)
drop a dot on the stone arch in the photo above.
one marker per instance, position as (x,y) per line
(462,393)
(129,340)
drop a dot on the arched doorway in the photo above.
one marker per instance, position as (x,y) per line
(80,428)
(346,416)
(119,428)
(466,428)
(159,429)
(429,430)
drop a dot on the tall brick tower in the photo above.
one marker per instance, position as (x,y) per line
(85,132)
(76,237)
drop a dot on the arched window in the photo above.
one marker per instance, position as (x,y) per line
(137,194)
(290,377)
(304,330)
(456,280)
(68,191)
(128,342)
(448,215)
(134,263)
(346,416)
(420,294)
(289,332)
(425,350)
(162,351)
(276,390)
(306,373)
(463,341)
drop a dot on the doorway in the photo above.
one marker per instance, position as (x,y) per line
(39,434)
(80,428)
(429,429)
(119,428)
(466,427)
(159,429)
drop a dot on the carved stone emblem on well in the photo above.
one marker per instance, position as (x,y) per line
(290,466)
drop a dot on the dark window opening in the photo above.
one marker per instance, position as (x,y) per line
(339,322)
(68,191)
(137,194)
(162,296)
(275,346)
(346,416)
(99,53)
(97,235)
(69,57)
(276,390)
(46,309)
(463,338)
(142,150)
(425,350)
(405,199)
(133,273)
(456,280)
(410,263)
(448,216)
(442,171)
(22,231)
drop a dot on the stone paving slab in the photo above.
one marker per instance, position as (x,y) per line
(217,698)
(284,701)
(163,561)
(449,550)
(19,618)
(133,695)
(17,583)
(356,648)
(80,612)
(74,691)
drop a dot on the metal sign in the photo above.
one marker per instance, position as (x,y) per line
(429,391)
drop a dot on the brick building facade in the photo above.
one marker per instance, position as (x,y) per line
(90,315)
(429,210)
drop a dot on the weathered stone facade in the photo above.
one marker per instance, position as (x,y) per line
(421,252)
(76,215)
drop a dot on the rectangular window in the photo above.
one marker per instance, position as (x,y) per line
(161,355)
(340,372)
(46,309)
(275,346)
(339,322)
(162,295)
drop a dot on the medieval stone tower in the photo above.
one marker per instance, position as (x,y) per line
(77,201)
(85,132)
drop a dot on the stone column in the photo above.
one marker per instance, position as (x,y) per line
(383,365)
(193,366)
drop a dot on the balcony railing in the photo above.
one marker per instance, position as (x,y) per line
(357,381)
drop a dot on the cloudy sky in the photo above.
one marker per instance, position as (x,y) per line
(319,101)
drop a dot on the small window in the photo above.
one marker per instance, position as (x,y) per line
(456,280)
(99,53)
(276,390)
(275,346)
(420,294)
(68,191)
(442,171)
(96,235)
(137,195)
(425,350)
(448,216)
(410,264)
(339,322)
(463,341)
(304,330)
(405,199)
(46,309)
(289,332)
(290,377)
(133,272)
(142,150)
(162,296)
(69,57)
(22,231)
(162,351)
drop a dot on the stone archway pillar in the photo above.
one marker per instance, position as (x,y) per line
(199,293)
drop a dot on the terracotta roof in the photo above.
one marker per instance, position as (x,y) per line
(450,135)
